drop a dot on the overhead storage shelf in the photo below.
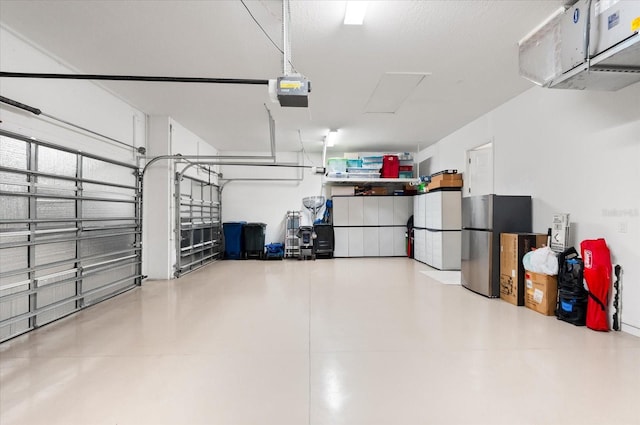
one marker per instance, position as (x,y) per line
(379,180)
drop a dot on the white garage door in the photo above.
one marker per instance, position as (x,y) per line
(198,212)
(70,231)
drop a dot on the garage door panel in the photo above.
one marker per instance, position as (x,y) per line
(13,208)
(52,252)
(53,239)
(95,169)
(106,210)
(13,182)
(13,153)
(55,161)
(55,208)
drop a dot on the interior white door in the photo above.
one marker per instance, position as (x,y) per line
(479,175)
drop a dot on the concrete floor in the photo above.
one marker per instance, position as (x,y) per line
(346,341)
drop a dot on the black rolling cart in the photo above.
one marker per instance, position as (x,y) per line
(324,241)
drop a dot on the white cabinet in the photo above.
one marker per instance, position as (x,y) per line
(399,241)
(386,210)
(443,210)
(385,241)
(341,241)
(437,233)
(370,213)
(419,211)
(356,241)
(371,226)
(356,211)
(371,240)
(445,249)
(401,210)
(451,250)
(340,211)
(419,245)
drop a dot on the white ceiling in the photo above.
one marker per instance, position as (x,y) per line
(468,48)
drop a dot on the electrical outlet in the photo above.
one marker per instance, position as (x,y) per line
(622,227)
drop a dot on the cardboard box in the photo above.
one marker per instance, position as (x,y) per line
(379,190)
(446,177)
(541,292)
(337,190)
(444,183)
(513,246)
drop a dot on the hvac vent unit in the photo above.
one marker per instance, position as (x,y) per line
(593,45)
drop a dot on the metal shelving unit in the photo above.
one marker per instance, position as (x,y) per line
(372,181)
(291,240)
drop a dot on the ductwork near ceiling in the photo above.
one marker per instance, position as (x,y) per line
(590,45)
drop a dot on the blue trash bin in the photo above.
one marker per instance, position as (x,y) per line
(233,248)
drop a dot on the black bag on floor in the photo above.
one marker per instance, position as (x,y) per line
(572,296)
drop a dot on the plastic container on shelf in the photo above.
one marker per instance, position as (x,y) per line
(337,175)
(405,174)
(372,165)
(354,163)
(364,176)
(405,156)
(361,170)
(337,165)
(390,167)
(369,159)
(405,168)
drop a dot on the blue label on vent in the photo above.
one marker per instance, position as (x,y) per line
(613,20)
(576,16)
(566,306)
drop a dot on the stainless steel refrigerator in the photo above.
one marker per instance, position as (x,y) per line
(483,219)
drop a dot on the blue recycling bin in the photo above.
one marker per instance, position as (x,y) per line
(233,248)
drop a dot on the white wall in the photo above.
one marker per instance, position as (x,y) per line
(572,151)
(268,201)
(81,102)
(166,137)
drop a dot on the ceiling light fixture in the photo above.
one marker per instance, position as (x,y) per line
(331,138)
(354,12)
